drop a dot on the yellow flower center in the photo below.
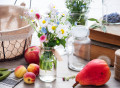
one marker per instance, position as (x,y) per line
(43,21)
(53,6)
(33,20)
(62,31)
(40,28)
(63,14)
(53,27)
(31,10)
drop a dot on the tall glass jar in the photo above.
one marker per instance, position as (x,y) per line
(111,11)
(79,48)
(48,65)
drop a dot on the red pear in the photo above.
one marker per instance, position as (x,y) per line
(96,73)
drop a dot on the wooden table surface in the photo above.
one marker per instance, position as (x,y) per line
(62,71)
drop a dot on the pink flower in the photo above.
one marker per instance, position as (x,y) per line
(43,38)
(37,15)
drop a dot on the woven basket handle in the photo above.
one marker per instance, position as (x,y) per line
(22,4)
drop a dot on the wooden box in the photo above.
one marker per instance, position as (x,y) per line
(105,43)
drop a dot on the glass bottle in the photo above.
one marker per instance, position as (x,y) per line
(48,65)
(79,48)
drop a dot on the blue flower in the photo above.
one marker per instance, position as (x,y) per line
(75,23)
(57,13)
(58,22)
(82,6)
(75,4)
(44,30)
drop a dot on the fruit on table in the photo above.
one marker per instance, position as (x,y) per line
(96,73)
(33,68)
(32,55)
(29,77)
(20,71)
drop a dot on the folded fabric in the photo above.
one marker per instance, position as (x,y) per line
(10,82)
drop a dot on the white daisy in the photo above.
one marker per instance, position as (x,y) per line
(62,30)
(52,28)
(43,22)
(31,13)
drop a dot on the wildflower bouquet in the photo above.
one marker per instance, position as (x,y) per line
(52,29)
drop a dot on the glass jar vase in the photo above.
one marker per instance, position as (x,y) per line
(78,11)
(78,18)
(48,65)
(79,48)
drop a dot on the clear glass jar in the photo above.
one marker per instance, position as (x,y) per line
(79,48)
(48,65)
(78,18)
(78,11)
(111,11)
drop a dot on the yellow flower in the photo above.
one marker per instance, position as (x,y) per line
(53,27)
(43,21)
(31,10)
(53,6)
(33,20)
(40,28)
(62,30)
(63,14)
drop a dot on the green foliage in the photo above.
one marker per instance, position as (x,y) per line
(39,35)
(93,19)
(47,60)
(98,25)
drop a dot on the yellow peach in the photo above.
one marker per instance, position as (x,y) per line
(33,68)
(20,71)
(29,77)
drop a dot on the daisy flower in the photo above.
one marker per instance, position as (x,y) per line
(62,30)
(31,13)
(43,22)
(52,28)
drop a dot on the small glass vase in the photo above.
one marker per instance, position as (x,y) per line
(48,65)
(79,48)
(76,18)
(78,10)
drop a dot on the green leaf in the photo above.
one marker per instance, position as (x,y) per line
(3,69)
(93,19)
(94,26)
(39,35)
(103,28)
(63,42)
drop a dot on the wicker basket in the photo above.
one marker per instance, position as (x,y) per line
(15,33)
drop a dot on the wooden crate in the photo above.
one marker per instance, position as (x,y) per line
(105,43)
(112,36)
